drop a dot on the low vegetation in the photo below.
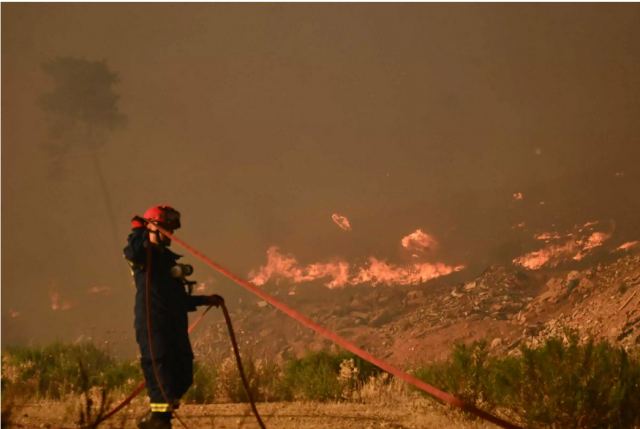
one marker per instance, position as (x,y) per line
(563,383)
(57,370)
(323,376)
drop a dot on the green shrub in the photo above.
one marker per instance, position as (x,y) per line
(561,384)
(466,373)
(262,375)
(269,376)
(573,385)
(55,370)
(203,389)
(315,377)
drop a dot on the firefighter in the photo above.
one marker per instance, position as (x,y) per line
(162,329)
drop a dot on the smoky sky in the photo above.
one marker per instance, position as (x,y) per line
(259,121)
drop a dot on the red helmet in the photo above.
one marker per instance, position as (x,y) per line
(165,216)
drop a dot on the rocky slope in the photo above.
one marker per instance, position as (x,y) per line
(406,325)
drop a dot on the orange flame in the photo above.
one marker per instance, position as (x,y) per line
(341,221)
(418,241)
(572,247)
(277,265)
(287,267)
(280,266)
(538,258)
(588,225)
(547,236)
(381,272)
(628,245)
(596,239)
(339,271)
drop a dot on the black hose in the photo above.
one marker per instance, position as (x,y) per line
(236,352)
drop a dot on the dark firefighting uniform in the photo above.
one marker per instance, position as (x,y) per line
(169,304)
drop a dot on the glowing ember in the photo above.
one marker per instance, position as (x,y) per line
(338,273)
(99,290)
(628,245)
(341,221)
(418,241)
(588,225)
(547,236)
(57,303)
(55,300)
(518,196)
(14,313)
(202,286)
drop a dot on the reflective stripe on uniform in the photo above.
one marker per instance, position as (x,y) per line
(160,407)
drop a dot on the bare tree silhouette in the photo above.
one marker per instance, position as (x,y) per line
(83,110)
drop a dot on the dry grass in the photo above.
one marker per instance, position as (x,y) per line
(415,413)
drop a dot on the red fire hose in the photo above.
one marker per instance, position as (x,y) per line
(425,387)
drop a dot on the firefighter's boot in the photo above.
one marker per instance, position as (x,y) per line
(156,421)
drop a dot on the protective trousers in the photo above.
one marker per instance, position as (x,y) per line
(174,372)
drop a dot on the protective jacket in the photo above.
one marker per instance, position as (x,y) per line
(167,317)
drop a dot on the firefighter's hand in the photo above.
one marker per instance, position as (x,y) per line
(214,300)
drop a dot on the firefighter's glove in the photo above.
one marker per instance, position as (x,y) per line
(214,300)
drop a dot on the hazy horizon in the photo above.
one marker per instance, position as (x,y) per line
(265,125)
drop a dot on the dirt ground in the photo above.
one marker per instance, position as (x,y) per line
(284,415)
